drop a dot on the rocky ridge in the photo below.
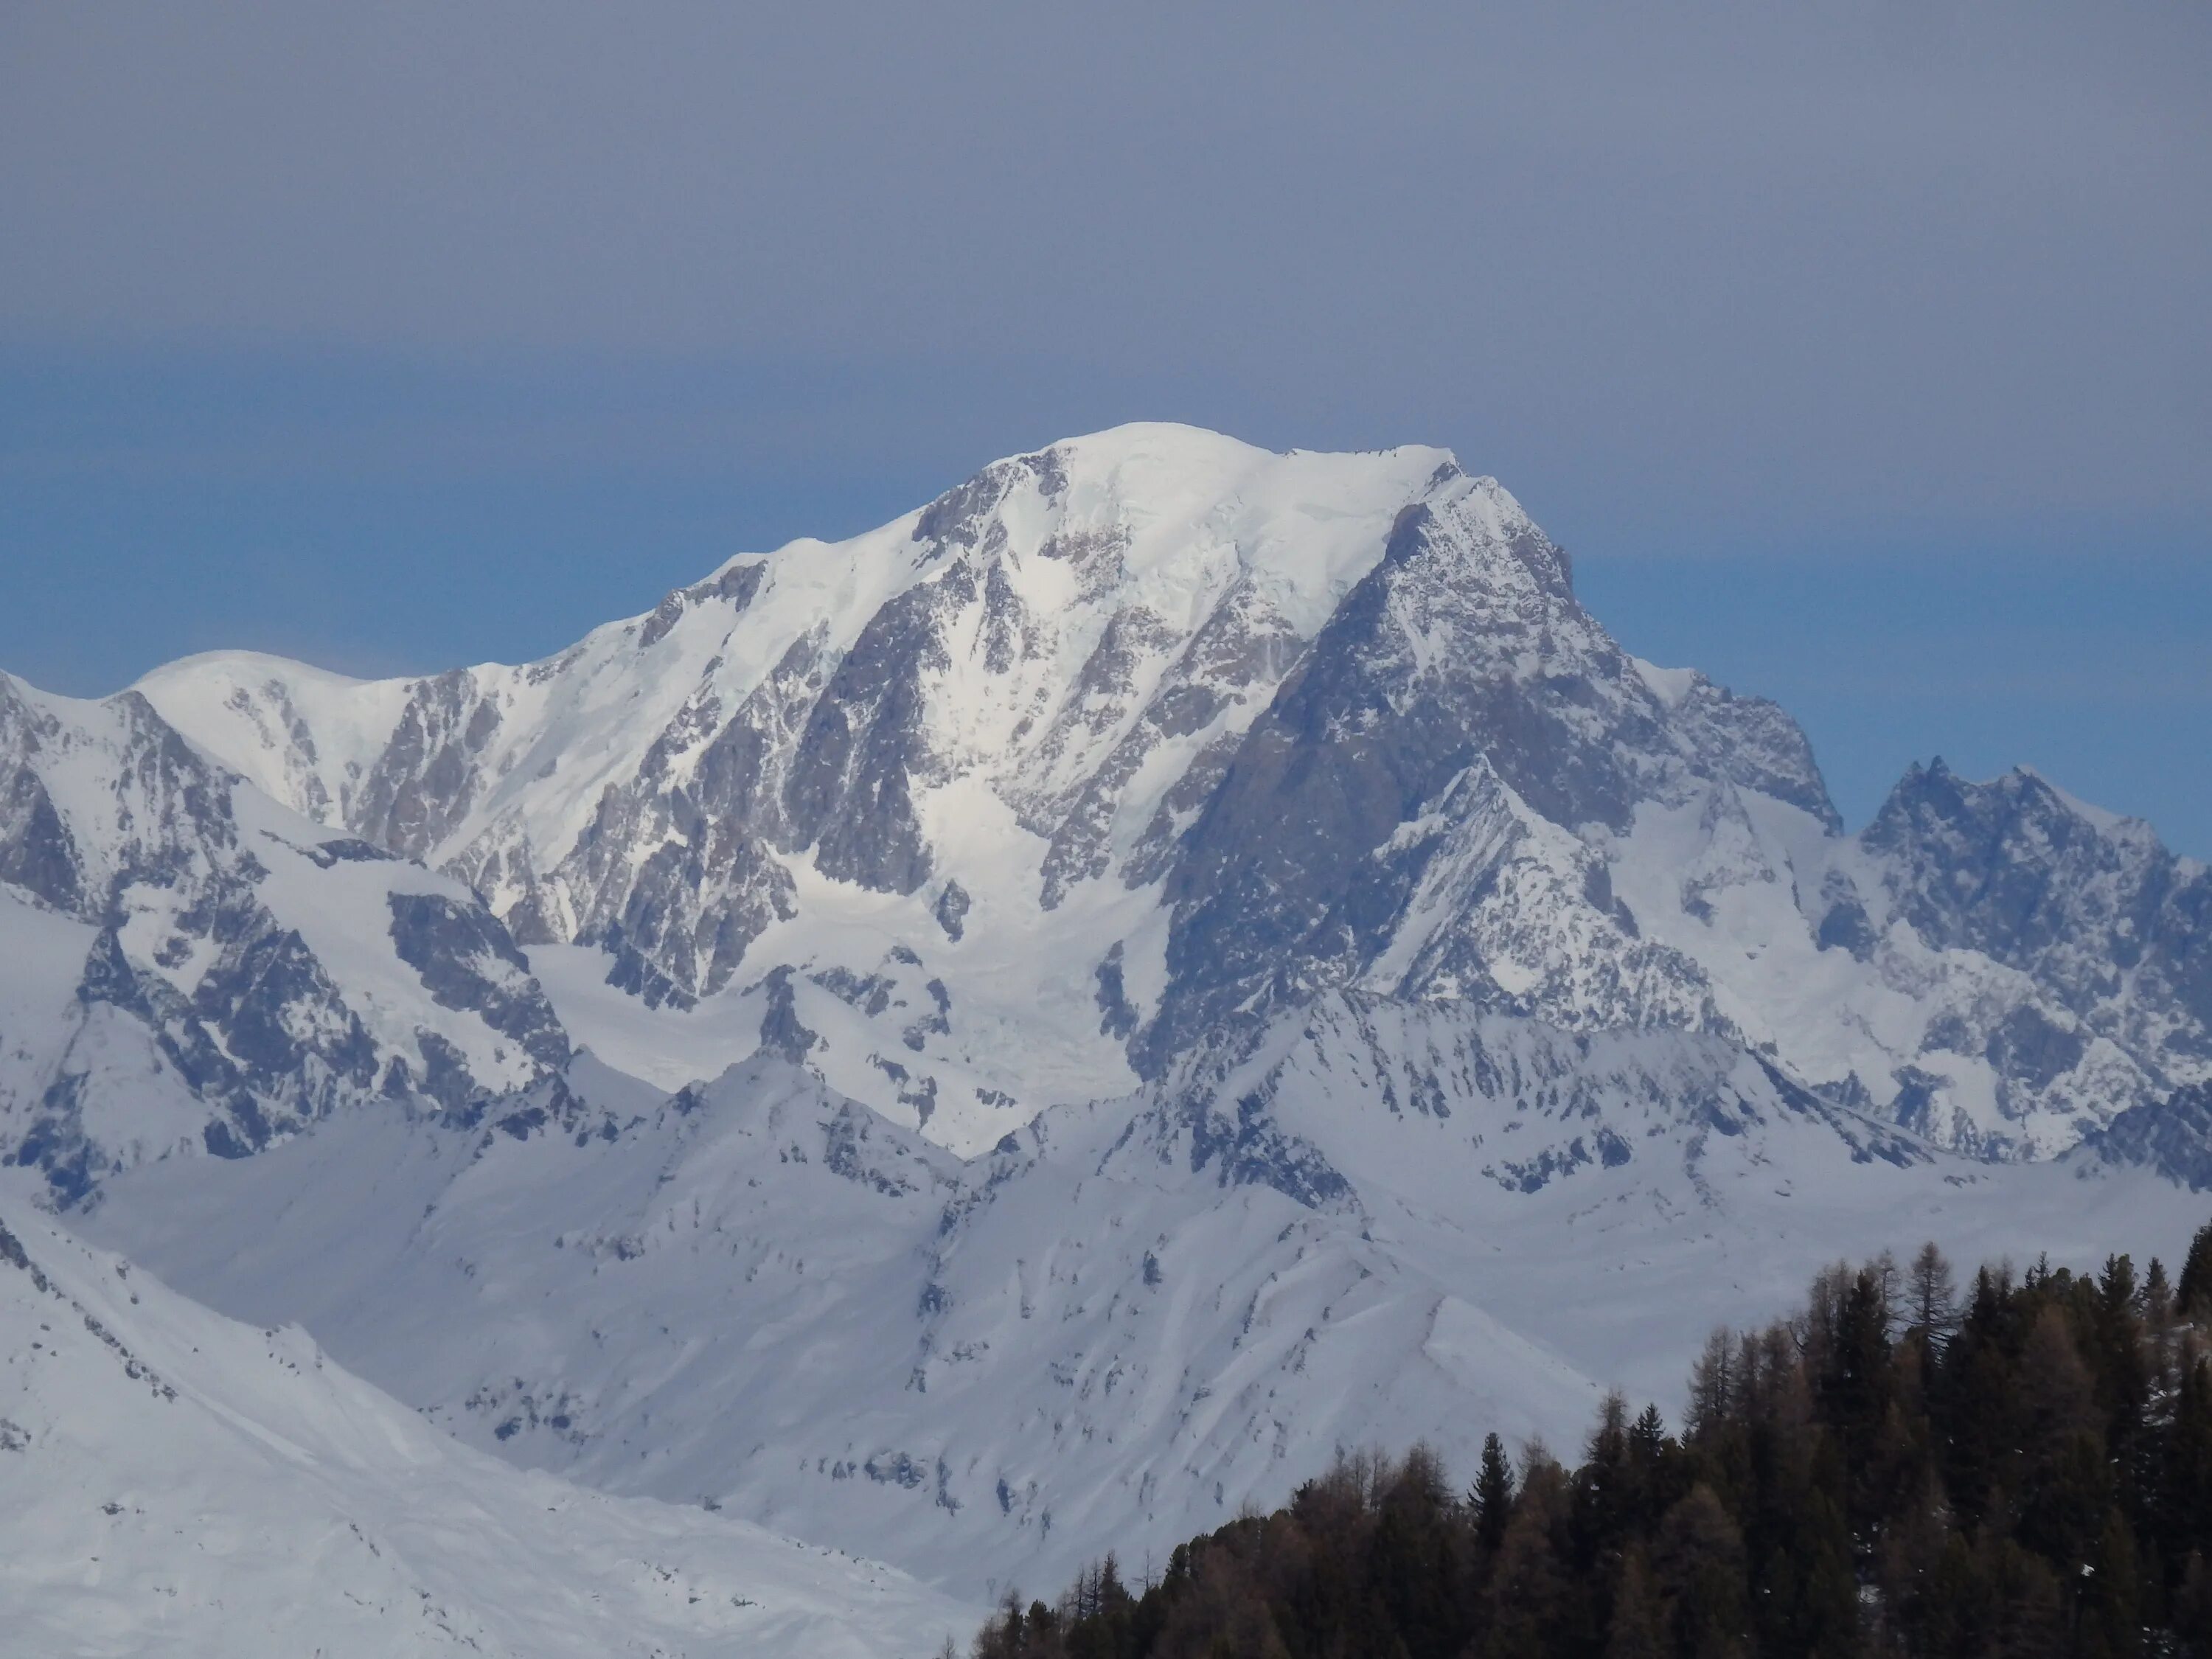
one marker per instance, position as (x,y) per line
(194,966)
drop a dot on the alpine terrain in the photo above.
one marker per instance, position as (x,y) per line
(1030,1028)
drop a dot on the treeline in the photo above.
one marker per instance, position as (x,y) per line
(2022,1470)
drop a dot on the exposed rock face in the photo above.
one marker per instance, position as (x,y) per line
(2103,919)
(426,778)
(467,962)
(36,854)
(2172,1136)
(1410,778)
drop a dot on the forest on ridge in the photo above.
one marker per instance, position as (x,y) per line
(2016,1467)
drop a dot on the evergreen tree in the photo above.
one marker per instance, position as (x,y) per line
(1490,1499)
(1712,1388)
(1698,1563)
(1933,1294)
(2192,1606)
(2192,1296)
(1528,1610)
(2110,1625)
(2184,1505)
(1604,1501)
(2157,1297)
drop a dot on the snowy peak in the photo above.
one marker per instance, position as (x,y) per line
(1119,748)
(1433,789)
(1013,700)
(2020,859)
(2112,933)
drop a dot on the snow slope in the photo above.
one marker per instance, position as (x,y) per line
(179,1483)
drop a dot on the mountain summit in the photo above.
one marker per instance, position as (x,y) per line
(1080,773)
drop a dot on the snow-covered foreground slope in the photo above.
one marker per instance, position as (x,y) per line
(1137,1315)
(174,1482)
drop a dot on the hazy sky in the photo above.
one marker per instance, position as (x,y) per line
(1860,353)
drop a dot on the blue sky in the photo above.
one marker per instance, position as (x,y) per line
(1860,354)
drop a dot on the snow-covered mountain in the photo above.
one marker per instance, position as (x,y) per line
(178,1483)
(1021,1031)
(1119,746)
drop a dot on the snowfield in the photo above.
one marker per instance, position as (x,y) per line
(178,1483)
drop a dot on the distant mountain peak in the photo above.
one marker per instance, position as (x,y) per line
(1176,732)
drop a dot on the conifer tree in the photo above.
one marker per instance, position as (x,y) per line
(2111,1595)
(1603,1495)
(2157,1297)
(2192,1605)
(2192,1296)
(1490,1499)
(1712,1387)
(1933,1294)
(1530,1608)
(1698,1561)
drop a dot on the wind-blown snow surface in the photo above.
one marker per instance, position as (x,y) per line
(1389,1222)
(176,1483)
